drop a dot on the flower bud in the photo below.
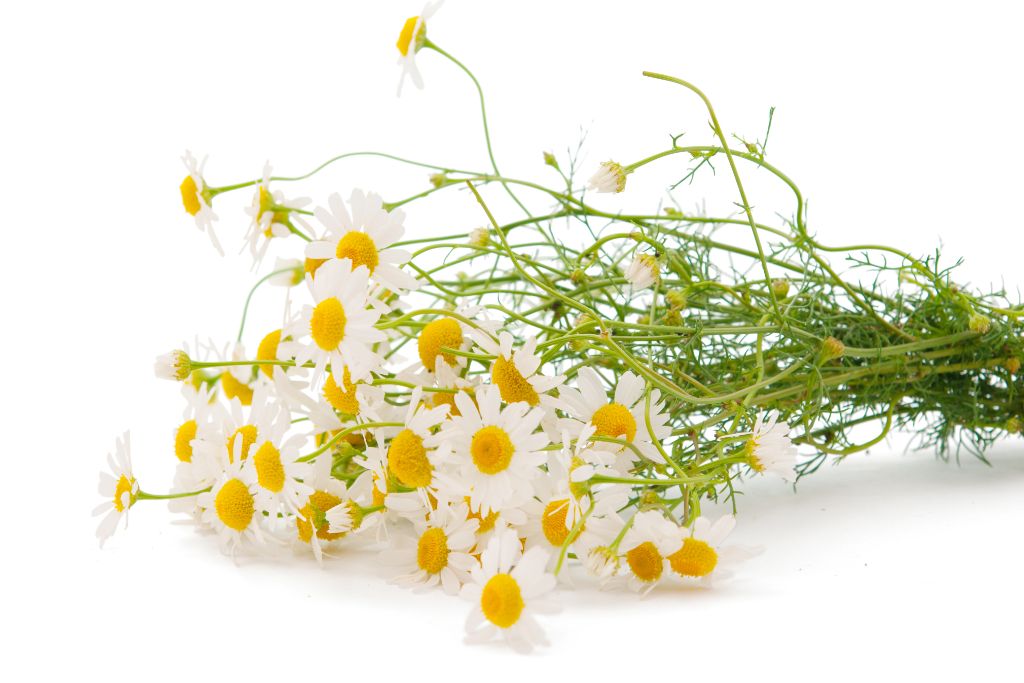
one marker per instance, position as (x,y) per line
(979,323)
(550,160)
(480,237)
(1013,365)
(176,366)
(438,179)
(831,348)
(1014,425)
(675,298)
(610,177)
(780,288)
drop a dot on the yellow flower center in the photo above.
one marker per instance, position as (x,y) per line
(553,522)
(445,398)
(615,421)
(343,400)
(491,449)
(190,195)
(443,332)
(695,558)
(407,460)
(486,522)
(248,435)
(359,248)
(501,601)
(183,440)
(267,350)
(269,470)
(313,513)
(235,505)
(328,324)
(235,389)
(750,450)
(405,37)
(432,551)
(311,265)
(265,203)
(511,383)
(124,485)
(646,562)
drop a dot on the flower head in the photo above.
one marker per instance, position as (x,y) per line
(119,489)
(176,366)
(196,197)
(609,177)
(769,448)
(643,272)
(411,40)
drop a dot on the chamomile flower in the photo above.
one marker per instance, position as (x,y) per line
(646,548)
(364,239)
(201,423)
(279,475)
(516,371)
(624,417)
(287,272)
(701,556)
(271,216)
(769,448)
(196,198)
(609,177)
(496,452)
(643,272)
(442,333)
(174,365)
(437,552)
(506,590)
(119,489)
(312,525)
(229,508)
(411,40)
(340,324)
(410,451)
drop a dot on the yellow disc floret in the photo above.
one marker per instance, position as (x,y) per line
(501,600)
(615,421)
(328,324)
(407,460)
(235,389)
(124,485)
(443,332)
(491,449)
(235,505)
(646,562)
(248,434)
(183,440)
(432,551)
(405,38)
(695,558)
(486,521)
(313,513)
(552,522)
(190,196)
(359,248)
(269,470)
(341,399)
(267,350)
(513,386)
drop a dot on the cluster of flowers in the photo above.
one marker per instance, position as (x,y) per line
(473,468)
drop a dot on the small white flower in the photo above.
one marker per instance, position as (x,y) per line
(643,272)
(438,552)
(769,448)
(119,489)
(196,196)
(516,372)
(288,272)
(602,563)
(271,216)
(609,177)
(701,556)
(411,40)
(646,547)
(364,239)
(175,366)
(312,523)
(506,590)
(230,508)
(479,237)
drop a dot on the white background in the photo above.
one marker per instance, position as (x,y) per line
(900,121)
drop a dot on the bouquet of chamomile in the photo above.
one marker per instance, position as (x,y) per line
(558,392)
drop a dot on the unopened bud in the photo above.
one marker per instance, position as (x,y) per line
(832,348)
(438,179)
(1013,365)
(979,323)
(1014,425)
(176,366)
(780,288)
(480,237)
(550,160)
(675,298)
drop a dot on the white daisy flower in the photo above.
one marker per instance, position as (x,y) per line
(622,418)
(609,177)
(411,40)
(769,448)
(279,475)
(119,489)
(411,453)
(365,239)
(516,372)
(175,366)
(340,324)
(312,525)
(202,422)
(196,197)
(496,452)
(506,590)
(438,552)
(646,547)
(229,508)
(701,556)
(643,272)
(288,272)
(272,216)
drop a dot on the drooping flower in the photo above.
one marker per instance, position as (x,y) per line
(609,177)
(643,272)
(411,40)
(769,448)
(118,488)
(196,198)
